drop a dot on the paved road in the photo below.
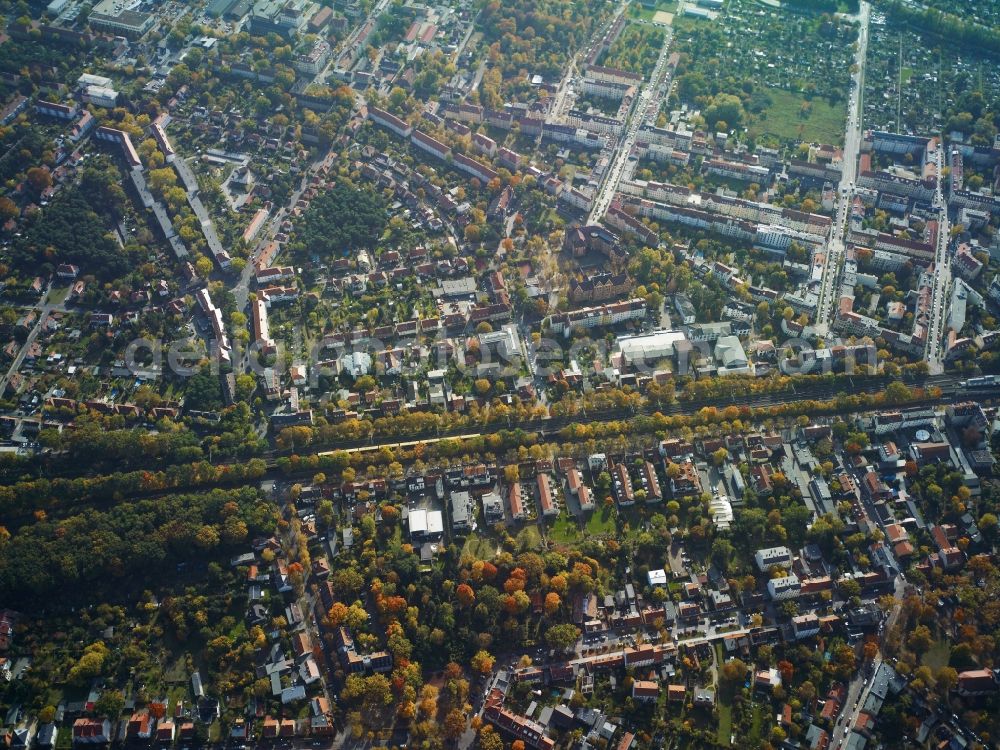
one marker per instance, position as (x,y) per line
(857,694)
(942,277)
(614,173)
(43,308)
(557,112)
(829,288)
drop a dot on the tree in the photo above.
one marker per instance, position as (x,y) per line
(234,530)
(489,739)
(482,662)
(337,614)
(988,525)
(206,537)
(8,209)
(897,392)
(849,588)
(870,650)
(465,595)
(39,179)
(552,603)
(946,679)
(562,636)
(339,220)
(90,663)
(454,724)
(732,673)
(920,639)
(110,704)
(723,553)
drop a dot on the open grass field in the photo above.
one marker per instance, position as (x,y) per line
(784,119)
(601,522)
(756,723)
(725,724)
(655,14)
(937,655)
(479,547)
(564,529)
(529,538)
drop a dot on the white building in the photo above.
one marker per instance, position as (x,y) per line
(731,357)
(89,79)
(657,577)
(426,524)
(649,347)
(784,587)
(771,556)
(118,17)
(101,96)
(356,364)
(461,511)
(806,625)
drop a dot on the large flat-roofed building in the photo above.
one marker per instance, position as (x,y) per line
(784,587)
(284,17)
(117,17)
(219,8)
(648,348)
(771,556)
(426,524)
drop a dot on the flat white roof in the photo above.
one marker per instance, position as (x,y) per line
(418,521)
(657,577)
(435,522)
(656,344)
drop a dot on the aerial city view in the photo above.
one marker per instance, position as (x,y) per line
(499,374)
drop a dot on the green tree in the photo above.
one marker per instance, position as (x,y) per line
(562,636)
(110,704)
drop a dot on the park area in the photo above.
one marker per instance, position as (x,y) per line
(661,12)
(789,73)
(792,117)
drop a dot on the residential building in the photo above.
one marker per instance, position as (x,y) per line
(118,17)
(784,587)
(773,556)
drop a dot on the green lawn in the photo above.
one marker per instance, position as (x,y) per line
(564,529)
(646,14)
(529,538)
(479,547)
(725,705)
(756,723)
(937,655)
(57,295)
(783,119)
(601,522)
(725,723)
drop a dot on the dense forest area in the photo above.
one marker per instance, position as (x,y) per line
(339,220)
(949,26)
(76,227)
(98,553)
(824,6)
(536,38)
(635,50)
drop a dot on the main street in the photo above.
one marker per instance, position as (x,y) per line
(942,276)
(560,102)
(829,287)
(609,186)
(42,309)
